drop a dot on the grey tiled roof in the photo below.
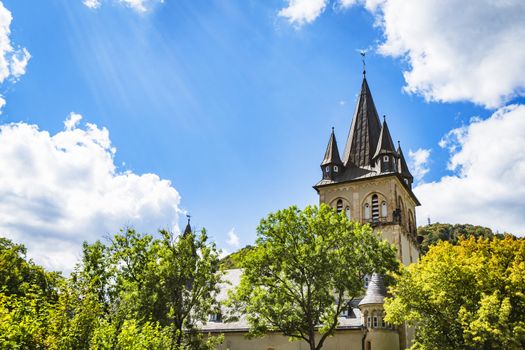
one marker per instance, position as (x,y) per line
(403,167)
(376,291)
(231,279)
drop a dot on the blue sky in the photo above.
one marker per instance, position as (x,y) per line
(233,101)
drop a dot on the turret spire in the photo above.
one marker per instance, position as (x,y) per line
(331,155)
(385,144)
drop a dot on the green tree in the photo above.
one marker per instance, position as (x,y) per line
(469,296)
(171,281)
(437,232)
(27,294)
(234,260)
(306,268)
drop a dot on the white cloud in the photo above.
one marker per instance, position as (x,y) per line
(13,61)
(233,239)
(92,4)
(58,190)
(140,6)
(300,12)
(419,162)
(72,121)
(458,50)
(489,187)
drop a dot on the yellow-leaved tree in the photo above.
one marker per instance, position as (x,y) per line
(469,296)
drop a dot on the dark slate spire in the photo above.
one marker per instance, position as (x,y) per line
(376,291)
(331,155)
(403,167)
(364,133)
(385,144)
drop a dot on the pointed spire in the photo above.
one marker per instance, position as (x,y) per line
(331,155)
(385,144)
(187,230)
(364,132)
(403,167)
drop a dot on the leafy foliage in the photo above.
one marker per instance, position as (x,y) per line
(234,260)
(469,296)
(136,293)
(437,232)
(305,269)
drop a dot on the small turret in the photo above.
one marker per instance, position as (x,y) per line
(385,156)
(331,164)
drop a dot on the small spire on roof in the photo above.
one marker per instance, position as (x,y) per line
(385,144)
(188,226)
(331,155)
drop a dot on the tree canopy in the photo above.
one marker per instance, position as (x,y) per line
(306,267)
(138,292)
(234,260)
(469,296)
(437,232)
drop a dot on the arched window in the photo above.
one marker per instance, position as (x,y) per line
(366,280)
(347,213)
(336,168)
(384,210)
(339,206)
(367,211)
(375,208)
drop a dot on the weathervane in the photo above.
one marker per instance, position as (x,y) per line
(189,217)
(363,53)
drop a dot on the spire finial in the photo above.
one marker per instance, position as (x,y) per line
(363,53)
(189,218)
(398,143)
(384,118)
(332,129)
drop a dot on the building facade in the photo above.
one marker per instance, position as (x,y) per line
(370,184)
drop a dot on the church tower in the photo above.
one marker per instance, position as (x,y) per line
(372,183)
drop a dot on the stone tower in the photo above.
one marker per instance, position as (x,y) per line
(372,183)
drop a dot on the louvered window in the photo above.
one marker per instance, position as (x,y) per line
(339,206)
(375,208)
